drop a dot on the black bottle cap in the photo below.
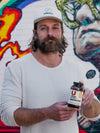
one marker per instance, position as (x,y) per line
(78,84)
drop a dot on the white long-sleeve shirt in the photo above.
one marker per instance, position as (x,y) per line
(29,84)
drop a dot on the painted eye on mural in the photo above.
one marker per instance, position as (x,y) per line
(86,21)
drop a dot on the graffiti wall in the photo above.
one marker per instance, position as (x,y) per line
(81,29)
(83,18)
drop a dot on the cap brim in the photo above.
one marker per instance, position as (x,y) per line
(52,17)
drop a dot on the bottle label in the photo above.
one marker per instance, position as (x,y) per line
(75,97)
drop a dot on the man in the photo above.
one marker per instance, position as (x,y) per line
(86,40)
(36,86)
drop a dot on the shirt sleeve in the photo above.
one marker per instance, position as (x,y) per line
(11,95)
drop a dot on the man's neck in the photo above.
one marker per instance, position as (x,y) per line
(49,60)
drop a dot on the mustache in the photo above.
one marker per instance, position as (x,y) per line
(50,38)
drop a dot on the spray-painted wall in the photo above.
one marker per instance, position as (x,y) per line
(82,30)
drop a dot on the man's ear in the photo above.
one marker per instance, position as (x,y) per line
(35,33)
(62,31)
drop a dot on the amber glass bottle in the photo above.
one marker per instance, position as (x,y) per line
(75,96)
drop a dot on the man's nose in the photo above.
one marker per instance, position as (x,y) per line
(84,15)
(49,32)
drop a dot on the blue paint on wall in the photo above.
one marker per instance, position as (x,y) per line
(22,3)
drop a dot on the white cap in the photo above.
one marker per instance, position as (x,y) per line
(47,9)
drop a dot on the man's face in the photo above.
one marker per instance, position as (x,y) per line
(49,35)
(87,35)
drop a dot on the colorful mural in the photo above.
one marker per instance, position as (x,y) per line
(85,23)
(10,46)
(82,22)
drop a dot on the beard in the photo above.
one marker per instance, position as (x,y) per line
(49,44)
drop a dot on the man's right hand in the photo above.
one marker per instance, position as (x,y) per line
(60,111)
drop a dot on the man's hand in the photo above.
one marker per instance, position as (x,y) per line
(88,97)
(90,105)
(60,111)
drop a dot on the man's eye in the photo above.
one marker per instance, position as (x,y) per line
(55,27)
(44,28)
